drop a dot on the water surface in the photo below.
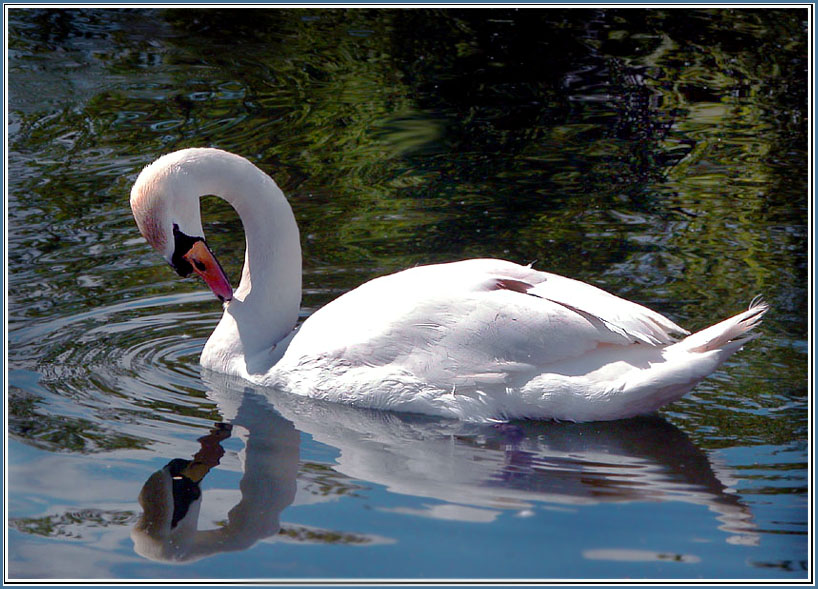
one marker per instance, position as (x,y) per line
(658,154)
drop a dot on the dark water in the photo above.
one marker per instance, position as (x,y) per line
(660,154)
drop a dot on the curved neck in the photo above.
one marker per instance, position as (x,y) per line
(266,303)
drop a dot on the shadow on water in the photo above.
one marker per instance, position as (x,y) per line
(472,472)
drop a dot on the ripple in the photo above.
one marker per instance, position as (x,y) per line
(130,363)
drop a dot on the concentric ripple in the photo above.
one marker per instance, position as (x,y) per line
(127,364)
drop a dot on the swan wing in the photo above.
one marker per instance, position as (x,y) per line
(630,320)
(473,322)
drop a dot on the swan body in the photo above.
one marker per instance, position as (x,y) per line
(478,339)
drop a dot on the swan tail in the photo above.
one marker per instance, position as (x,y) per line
(687,363)
(729,334)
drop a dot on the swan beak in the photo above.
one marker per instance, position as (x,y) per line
(204,263)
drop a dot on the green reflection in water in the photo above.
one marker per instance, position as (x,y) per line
(656,153)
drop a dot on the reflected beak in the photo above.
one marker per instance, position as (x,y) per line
(204,263)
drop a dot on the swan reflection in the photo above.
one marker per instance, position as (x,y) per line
(171,498)
(469,472)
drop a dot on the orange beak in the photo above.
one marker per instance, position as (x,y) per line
(205,265)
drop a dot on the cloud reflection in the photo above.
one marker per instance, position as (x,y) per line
(468,472)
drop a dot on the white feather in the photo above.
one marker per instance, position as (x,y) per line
(477,339)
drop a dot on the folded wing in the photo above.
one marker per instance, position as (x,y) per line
(477,321)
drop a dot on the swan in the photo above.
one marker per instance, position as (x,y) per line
(477,340)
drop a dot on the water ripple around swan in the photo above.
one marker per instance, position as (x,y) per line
(133,362)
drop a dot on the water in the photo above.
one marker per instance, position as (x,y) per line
(658,154)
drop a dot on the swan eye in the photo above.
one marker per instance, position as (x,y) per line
(181,246)
(198,258)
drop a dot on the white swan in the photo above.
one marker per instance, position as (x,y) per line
(477,339)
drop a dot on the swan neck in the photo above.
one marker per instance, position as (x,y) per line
(267,300)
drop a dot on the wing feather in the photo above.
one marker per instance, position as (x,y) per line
(474,321)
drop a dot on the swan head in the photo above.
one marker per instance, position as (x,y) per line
(165,205)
